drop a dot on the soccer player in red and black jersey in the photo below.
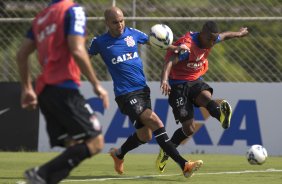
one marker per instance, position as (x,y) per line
(58,34)
(182,81)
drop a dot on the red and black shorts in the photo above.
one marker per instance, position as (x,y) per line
(182,98)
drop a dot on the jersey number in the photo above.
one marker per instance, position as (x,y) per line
(133,101)
(179,101)
(80,20)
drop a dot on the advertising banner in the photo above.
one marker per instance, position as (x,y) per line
(18,127)
(256,108)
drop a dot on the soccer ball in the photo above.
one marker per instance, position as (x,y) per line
(256,155)
(161,36)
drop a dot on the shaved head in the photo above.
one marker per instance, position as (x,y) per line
(112,12)
(115,21)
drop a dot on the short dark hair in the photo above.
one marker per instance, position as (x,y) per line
(210,26)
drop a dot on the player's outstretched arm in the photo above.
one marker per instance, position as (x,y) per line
(229,34)
(77,47)
(179,48)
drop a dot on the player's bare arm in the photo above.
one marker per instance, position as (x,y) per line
(165,87)
(78,50)
(173,60)
(229,34)
(178,48)
(28,96)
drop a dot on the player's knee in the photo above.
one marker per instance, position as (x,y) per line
(100,146)
(145,135)
(188,131)
(146,138)
(151,120)
(95,145)
(188,128)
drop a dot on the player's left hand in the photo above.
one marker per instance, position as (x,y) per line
(243,31)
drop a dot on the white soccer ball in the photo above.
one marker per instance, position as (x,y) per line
(161,36)
(256,155)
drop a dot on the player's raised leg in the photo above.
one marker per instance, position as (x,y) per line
(225,114)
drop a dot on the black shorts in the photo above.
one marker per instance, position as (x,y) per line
(67,115)
(134,103)
(182,98)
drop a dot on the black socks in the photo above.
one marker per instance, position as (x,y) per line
(60,167)
(168,147)
(131,143)
(178,137)
(213,109)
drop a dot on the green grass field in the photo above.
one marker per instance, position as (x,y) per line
(140,168)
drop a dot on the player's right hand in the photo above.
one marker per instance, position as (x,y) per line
(165,87)
(103,94)
(180,48)
(28,99)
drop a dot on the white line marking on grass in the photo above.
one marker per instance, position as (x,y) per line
(168,175)
(162,175)
(242,172)
(122,178)
(20,182)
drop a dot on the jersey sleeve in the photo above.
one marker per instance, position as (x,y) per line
(93,48)
(142,38)
(29,34)
(218,39)
(75,21)
(183,55)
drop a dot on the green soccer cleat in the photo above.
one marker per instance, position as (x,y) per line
(225,114)
(161,161)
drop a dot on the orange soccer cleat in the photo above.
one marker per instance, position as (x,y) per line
(118,162)
(191,167)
